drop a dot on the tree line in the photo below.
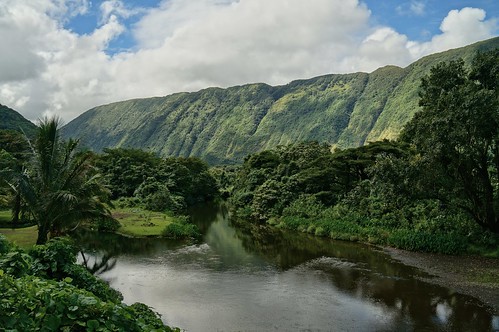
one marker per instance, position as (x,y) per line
(57,185)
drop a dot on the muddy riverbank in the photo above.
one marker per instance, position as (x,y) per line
(470,275)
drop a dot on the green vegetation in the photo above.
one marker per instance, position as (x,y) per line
(168,184)
(13,121)
(59,187)
(460,143)
(433,190)
(139,222)
(5,216)
(46,290)
(181,229)
(154,192)
(222,126)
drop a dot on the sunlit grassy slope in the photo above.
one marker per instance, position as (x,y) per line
(225,125)
(139,222)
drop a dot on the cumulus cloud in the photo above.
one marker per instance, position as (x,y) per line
(189,45)
(459,27)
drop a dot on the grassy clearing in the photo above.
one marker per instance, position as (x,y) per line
(138,222)
(23,237)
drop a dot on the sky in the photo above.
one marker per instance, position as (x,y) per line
(63,57)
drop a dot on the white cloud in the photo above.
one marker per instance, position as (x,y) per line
(383,46)
(189,45)
(459,27)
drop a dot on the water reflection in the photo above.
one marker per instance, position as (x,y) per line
(258,279)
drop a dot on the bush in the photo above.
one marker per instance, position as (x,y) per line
(108,225)
(181,230)
(4,244)
(305,206)
(15,263)
(83,279)
(163,200)
(127,202)
(51,259)
(448,243)
(30,304)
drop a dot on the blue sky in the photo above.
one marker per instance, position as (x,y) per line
(405,17)
(67,56)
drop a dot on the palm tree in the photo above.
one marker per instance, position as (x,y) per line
(61,188)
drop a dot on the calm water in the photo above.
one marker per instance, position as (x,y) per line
(261,279)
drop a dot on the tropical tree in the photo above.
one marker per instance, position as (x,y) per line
(61,188)
(456,136)
(14,155)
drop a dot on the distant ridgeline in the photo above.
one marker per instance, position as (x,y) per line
(225,125)
(11,120)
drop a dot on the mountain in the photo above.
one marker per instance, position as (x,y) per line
(10,119)
(224,125)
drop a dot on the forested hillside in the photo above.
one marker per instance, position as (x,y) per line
(12,120)
(225,125)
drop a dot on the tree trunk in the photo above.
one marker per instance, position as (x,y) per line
(42,234)
(16,209)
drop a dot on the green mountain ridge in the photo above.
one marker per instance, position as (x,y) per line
(12,120)
(224,125)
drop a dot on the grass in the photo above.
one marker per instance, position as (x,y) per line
(134,222)
(140,223)
(23,237)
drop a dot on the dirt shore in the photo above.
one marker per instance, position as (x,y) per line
(470,275)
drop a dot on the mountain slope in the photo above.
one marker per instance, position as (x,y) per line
(224,125)
(12,120)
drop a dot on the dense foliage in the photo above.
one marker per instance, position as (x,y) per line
(270,181)
(160,184)
(58,187)
(222,126)
(45,290)
(456,136)
(14,154)
(11,120)
(433,190)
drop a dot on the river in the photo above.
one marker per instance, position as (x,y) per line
(261,279)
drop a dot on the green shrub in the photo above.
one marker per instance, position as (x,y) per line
(30,304)
(127,202)
(83,279)
(445,243)
(295,222)
(163,200)
(107,225)
(180,230)
(51,259)
(305,206)
(15,263)
(4,244)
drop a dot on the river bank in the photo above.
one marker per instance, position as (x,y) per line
(471,275)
